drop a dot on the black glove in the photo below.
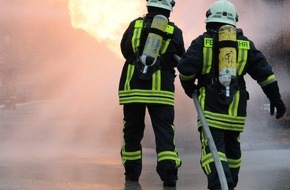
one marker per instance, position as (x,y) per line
(188,87)
(272,92)
(280,106)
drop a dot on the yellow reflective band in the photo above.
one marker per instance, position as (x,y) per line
(206,167)
(130,72)
(224,117)
(156,80)
(137,155)
(169,155)
(138,24)
(233,108)
(207,60)
(242,60)
(244,44)
(268,81)
(139,92)
(137,35)
(146,100)
(223,121)
(243,47)
(201,97)
(207,55)
(169,30)
(146,96)
(207,159)
(165,45)
(204,141)
(234,163)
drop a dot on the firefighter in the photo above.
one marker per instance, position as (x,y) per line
(150,89)
(212,59)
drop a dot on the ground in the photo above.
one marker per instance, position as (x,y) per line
(43,150)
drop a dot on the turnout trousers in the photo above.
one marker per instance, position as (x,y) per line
(162,118)
(228,147)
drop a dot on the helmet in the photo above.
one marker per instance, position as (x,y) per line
(222,11)
(163,4)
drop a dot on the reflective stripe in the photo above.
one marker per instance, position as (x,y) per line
(136,155)
(207,159)
(269,80)
(130,72)
(233,109)
(169,155)
(234,163)
(137,35)
(201,97)
(169,30)
(207,55)
(156,80)
(223,121)
(146,96)
(244,46)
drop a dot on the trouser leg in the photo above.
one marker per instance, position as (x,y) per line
(207,161)
(162,118)
(233,153)
(133,132)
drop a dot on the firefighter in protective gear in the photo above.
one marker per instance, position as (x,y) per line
(199,70)
(155,93)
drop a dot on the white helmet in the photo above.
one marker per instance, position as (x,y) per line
(222,11)
(163,4)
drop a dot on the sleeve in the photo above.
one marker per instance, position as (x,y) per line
(259,68)
(261,71)
(190,65)
(191,61)
(126,44)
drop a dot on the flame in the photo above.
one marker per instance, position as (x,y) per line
(105,20)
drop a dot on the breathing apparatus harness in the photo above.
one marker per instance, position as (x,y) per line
(212,79)
(147,57)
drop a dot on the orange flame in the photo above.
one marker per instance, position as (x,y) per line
(105,20)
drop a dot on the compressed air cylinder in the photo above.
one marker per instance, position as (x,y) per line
(153,41)
(227,56)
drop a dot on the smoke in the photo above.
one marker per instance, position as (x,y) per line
(65,72)
(64,83)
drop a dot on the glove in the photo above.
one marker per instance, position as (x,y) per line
(272,92)
(280,107)
(188,87)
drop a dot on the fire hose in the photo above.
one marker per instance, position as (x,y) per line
(208,135)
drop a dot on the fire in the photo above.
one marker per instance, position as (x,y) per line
(105,20)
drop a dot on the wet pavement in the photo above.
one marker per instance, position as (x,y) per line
(261,170)
(37,153)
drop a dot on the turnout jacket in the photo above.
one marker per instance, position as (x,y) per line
(201,62)
(159,89)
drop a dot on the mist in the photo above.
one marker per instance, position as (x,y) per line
(65,81)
